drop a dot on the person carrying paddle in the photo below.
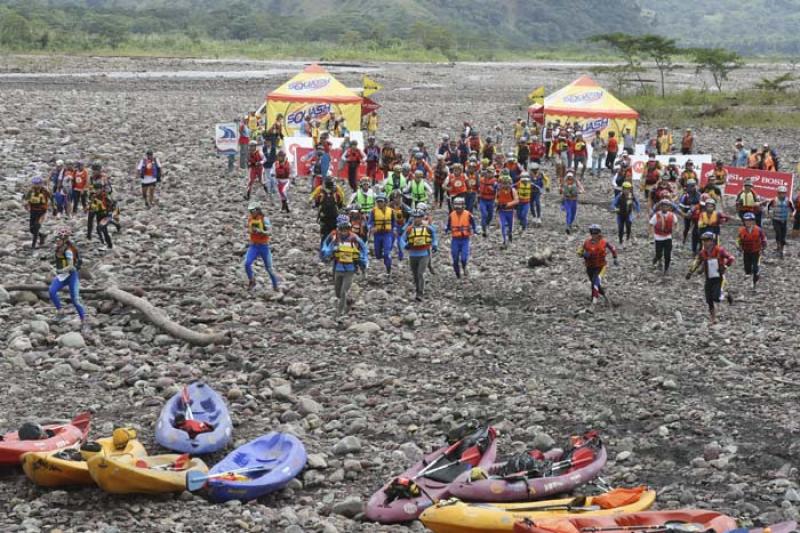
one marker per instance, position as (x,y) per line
(461,225)
(258,229)
(751,240)
(349,253)
(712,260)
(68,264)
(594,250)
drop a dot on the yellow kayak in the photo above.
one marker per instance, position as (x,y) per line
(68,467)
(125,474)
(455,516)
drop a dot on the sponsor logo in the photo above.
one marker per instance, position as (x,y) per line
(593,126)
(584,98)
(296,118)
(226,133)
(308,85)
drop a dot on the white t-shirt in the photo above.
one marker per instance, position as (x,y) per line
(658,233)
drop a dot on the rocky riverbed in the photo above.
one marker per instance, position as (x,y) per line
(705,414)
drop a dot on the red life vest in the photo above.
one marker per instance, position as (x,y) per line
(664,224)
(651,173)
(283,170)
(255,159)
(487,190)
(596,253)
(750,241)
(457,185)
(459,224)
(723,259)
(475,143)
(537,150)
(504,196)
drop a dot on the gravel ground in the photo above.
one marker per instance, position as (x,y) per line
(705,414)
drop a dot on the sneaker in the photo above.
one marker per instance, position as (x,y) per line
(85,328)
(729,296)
(251,284)
(42,237)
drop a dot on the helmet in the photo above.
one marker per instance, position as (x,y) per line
(60,162)
(253,143)
(342,219)
(595,229)
(505,172)
(711,201)
(534,166)
(364,179)
(354,143)
(458,202)
(345,224)
(782,188)
(252,206)
(488,139)
(406,166)
(418,173)
(748,216)
(747,182)
(97,166)
(627,185)
(691,183)
(281,152)
(445,137)
(505,179)
(30,431)
(419,213)
(422,206)
(397,168)
(380,197)
(64,232)
(418,155)
(121,436)
(525,177)
(328,183)
(37,180)
(689,162)
(371,138)
(719,162)
(485,162)
(354,208)
(708,235)
(665,202)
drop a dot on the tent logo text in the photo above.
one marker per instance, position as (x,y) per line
(313,111)
(592,127)
(584,98)
(309,85)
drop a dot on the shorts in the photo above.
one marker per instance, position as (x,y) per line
(148,185)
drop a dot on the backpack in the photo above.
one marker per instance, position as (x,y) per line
(328,207)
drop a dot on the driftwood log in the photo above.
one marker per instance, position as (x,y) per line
(133,297)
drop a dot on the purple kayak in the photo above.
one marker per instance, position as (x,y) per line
(554,473)
(404,497)
(781,527)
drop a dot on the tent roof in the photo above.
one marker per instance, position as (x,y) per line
(314,84)
(584,97)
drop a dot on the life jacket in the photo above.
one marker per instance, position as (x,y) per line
(460,226)
(419,237)
(37,200)
(687,142)
(505,196)
(457,185)
(256,222)
(383,219)
(399,216)
(440,173)
(664,224)
(625,205)
(149,168)
(283,169)
(769,163)
(472,182)
(537,150)
(720,176)
(347,250)
(81,179)
(580,148)
(595,253)
(475,143)
(61,259)
(687,175)
(524,192)
(388,155)
(357,224)
(706,220)
(373,153)
(716,253)
(255,159)
(365,201)
(570,192)
(99,204)
(613,145)
(328,205)
(561,146)
(652,173)
(747,202)
(488,152)
(418,191)
(750,241)
(487,189)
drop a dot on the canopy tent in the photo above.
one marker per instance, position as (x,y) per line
(314,92)
(595,109)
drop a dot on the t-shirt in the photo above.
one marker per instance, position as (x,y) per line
(663,231)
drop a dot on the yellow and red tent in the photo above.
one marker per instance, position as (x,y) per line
(314,92)
(594,108)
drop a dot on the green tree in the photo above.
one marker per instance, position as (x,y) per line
(15,30)
(629,47)
(717,61)
(661,50)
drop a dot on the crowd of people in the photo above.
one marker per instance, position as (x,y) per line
(395,198)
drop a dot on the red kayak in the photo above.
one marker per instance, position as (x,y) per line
(680,521)
(57,436)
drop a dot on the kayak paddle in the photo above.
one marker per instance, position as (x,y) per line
(197,480)
(684,527)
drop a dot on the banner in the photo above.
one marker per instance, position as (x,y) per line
(371,86)
(368,107)
(765,182)
(299,150)
(638,162)
(537,96)
(226,138)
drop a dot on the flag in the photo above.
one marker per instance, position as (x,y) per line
(537,95)
(371,86)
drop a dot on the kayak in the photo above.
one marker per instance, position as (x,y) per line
(205,406)
(125,474)
(280,456)
(58,436)
(525,478)
(404,497)
(68,466)
(789,526)
(679,521)
(455,516)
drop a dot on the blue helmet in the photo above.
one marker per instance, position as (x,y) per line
(342,221)
(749,216)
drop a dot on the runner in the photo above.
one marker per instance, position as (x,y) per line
(68,264)
(507,201)
(455,185)
(594,250)
(79,184)
(579,154)
(420,239)
(626,206)
(364,197)
(650,178)
(388,159)
(349,253)
(710,219)
(258,230)
(353,158)
(688,205)
(402,214)
(150,174)
(780,209)
(541,183)
(524,194)
(663,222)
(569,199)
(382,225)
(461,224)
(440,175)
(747,201)
(36,201)
(713,260)
(373,156)
(255,166)
(329,200)
(418,189)
(282,172)
(688,174)
(751,240)
(100,211)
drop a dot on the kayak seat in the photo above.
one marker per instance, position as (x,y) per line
(449,474)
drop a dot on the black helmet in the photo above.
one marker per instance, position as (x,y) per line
(97,166)
(30,431)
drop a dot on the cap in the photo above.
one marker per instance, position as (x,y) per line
(37,180)
(458,202)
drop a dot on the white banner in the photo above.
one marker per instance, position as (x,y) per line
(638,162)
(293,143)
(226,138)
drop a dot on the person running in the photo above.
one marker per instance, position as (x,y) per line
(541,183)
(751,241)
(258,230)
(395,180)
(664,222)
(687,209)
(455,185)
(747,201)
(100,211)
(68,264)
(329,200)
(282,172)
(364,197)
(507,201)
(712,260)
(418,189)
(688,174)
(402,214)
(687,142)
(420,240)
(440,176)
(373,156)
(569,199)
(37,200)
(349,253)
(150,174)
(524,189)
(579,154)
(388,159)
(780,209)
(353,158)
(626,206)
(461,225)
(382,224)
(79,183)
(651,175)
(594,250)
(710,219)
(255,166)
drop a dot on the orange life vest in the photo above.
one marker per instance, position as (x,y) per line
(283,169)
(505,196)
(459,224)
(256,222)
(750,241)
(596,253)
(456,185)
(487,189)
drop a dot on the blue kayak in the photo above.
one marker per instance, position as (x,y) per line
(281,455)
(204,427)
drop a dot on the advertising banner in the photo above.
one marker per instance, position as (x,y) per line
(226,138)
(765,182)
(300,151)
(638,162)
